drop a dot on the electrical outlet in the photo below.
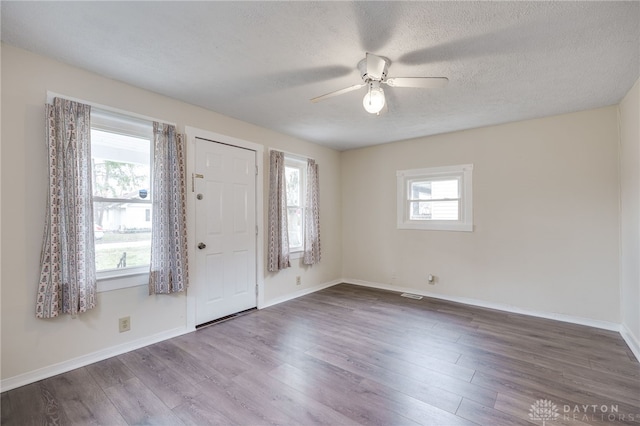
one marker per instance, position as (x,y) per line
(124,324)
(298,280)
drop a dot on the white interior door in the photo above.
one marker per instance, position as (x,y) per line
(225,189)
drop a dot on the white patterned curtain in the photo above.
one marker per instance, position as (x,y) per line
(168,273)
(68,271)
(278,256)
(312,252)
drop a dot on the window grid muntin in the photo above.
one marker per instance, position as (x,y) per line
(413,217)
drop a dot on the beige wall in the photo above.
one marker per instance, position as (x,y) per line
(545,213)
(630,211)
(29,343)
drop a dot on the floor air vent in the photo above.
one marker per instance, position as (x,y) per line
(411,296)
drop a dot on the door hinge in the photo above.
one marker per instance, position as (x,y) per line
(256,230)
(256,170)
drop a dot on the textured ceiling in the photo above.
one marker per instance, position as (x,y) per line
(261,62)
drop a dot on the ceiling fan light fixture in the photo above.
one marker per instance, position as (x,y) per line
(374,100)
(373,71)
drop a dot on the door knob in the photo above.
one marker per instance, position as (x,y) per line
(201,246)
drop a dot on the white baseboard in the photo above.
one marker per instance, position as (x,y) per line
(81,361)
(491,305)
(631,339)
(301,292)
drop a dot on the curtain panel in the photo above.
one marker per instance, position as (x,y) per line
(68,271)
(169,271)
(278,238)
(312,253)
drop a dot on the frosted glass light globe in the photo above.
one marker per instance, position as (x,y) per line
(374,100)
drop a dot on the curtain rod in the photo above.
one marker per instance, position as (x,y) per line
(51,95)
(293,154)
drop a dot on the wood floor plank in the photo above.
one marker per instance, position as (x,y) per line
(147,366)
(476,345)
(239,409)
(626,369)
(341,391)
(410,407)
(406,322)
(139,405)
(109,372)
(628,384)
(617,390)
(401,361)
(297,340)
(349,355)
(491,362)
(444,351)
(260,404)
(182,362)
(303,409)
(225,364)
(423,384)
(199,412)
(32,404)
(170,386)
(484,415)
(82,399)
(258,356)
(548,340)
(445,400)
(500,341)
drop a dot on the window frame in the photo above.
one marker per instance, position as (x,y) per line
(300,164)
(127,125)
(463,173)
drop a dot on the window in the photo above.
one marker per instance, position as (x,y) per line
(295,176)
(437,198)
(121,167)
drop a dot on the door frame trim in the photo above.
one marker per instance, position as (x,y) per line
(191,134)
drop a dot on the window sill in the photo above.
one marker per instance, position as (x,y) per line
(464,227)
(109,281)
(296,254)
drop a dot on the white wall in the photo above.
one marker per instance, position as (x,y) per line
(28,343)
(630,214)
(545,211)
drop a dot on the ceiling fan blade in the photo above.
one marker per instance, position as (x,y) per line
(375,66)
(338,92)
(419,82)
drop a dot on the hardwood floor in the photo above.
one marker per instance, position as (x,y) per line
(351,355)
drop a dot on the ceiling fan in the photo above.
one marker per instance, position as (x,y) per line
(373,70)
